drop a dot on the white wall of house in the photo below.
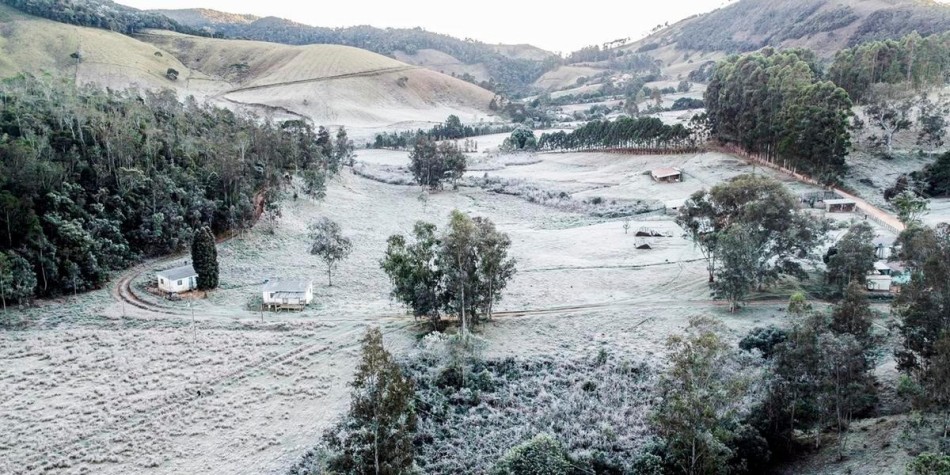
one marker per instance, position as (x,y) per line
(177,286)
(276,297)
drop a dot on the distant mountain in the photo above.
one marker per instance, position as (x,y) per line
(505,68)
(825,26)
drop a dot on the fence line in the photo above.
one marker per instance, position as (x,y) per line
(869,211)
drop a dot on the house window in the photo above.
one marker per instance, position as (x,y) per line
(161,281)
(179,282)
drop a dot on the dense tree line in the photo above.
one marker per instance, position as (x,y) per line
(451,129)
(93,180)
(919,61)
(625,132)
(102,14)
(775,104)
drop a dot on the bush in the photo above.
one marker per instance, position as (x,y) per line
(763,339)
(541,455)
(171,74)
(930,464)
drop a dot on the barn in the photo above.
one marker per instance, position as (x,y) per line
(177,280)
(667,175)
(842,205)
(287,294)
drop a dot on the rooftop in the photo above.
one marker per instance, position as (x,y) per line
(289,285)
(840,201)
(178,273)
(665,172)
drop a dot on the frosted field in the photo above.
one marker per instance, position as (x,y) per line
(99,385)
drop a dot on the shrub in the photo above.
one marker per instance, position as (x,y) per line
(763,339)
(171,74)
(541,455)
(930,464)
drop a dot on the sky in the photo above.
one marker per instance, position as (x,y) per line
(542,24)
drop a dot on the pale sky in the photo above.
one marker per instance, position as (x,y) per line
(543,24)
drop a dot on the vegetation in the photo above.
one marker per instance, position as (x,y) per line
(918,61)
(452,129)
(473,410)
(204,258)
(625,132)
(462,272)
(376,435)
(522,139)
(102,14)
(774,104)
(703,397)
(431,163)
(852,257)
(751,233)
(542,455)
(328,243)
(93,180)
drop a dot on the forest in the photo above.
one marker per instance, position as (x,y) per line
(775,104)
(91,181)
(625,132)
(451,129)
(920,61)
(102,14)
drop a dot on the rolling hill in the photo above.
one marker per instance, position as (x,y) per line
(508,68)
(332,84)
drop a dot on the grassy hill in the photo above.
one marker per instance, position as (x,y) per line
(329,83)
(507,68)
(825,26)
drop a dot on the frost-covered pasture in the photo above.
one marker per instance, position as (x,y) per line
(96,384)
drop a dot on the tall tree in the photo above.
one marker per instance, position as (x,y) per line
(458,258)
(740,250)
(852,257)
(494,268)
(329,244)
(204,258)
(701,404)
(376,435)
(414,272)
(343,147)
(853,315)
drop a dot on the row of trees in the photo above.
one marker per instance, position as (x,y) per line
(452,129)
(625,132)
(93,180)
(774,104)
(919,61)
(97,14)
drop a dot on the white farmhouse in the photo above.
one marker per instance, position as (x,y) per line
(288,294)
(177,280)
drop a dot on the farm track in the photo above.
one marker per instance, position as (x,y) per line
(360,74)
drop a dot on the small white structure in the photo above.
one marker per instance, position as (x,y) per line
(667,175)
(177,280)
(287,294)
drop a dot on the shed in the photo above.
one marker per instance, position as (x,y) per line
(881,268)
(294,294)
(673,206)
(177,280)
(667,175)
(883,247)
(841,205)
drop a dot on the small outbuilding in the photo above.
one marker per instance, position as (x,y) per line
(288,294)
(667,175)
(841,205)
(177,280)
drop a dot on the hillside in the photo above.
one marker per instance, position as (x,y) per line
(509,68)
(825,26)
(331,84)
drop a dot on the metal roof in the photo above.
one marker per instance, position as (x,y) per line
(290,285)
(881,266)
(178,273)
(842,201)
(665,172)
